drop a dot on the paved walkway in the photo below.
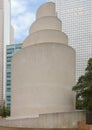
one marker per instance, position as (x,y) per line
(8,128)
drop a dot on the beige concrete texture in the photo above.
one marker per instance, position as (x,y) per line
(53,120)
(47,9)
(46,28)
(46,36)
(44,23)
(43,72)
(42,80)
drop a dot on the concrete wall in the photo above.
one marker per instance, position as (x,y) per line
(46,28)
(54,120)
(45,23)
(43,72)
(42,80)
(46,10)
(46,36)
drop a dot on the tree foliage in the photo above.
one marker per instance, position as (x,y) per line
(83,89)
(4,111)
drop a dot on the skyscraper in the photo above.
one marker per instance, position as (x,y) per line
(76,16)
(5,38)
(10,51)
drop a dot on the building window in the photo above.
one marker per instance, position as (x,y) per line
(8,73)
(18,47)
(8,60)
(8,84)
(8,66)
(9,52)
(8,106)
(8,98)
(8,89)
(8,76)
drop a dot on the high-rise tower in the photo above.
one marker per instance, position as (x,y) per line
(5,38)
(10,51)
(76,16)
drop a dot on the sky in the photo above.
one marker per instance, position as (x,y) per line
(23,14)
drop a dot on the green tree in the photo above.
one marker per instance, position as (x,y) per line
(83,89)
(4,111)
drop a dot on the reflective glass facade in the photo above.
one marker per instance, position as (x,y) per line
(10,51)
(76,17)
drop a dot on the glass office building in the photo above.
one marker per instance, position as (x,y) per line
(76,17)
(10,51)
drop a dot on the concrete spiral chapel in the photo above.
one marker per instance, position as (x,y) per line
(43,74)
